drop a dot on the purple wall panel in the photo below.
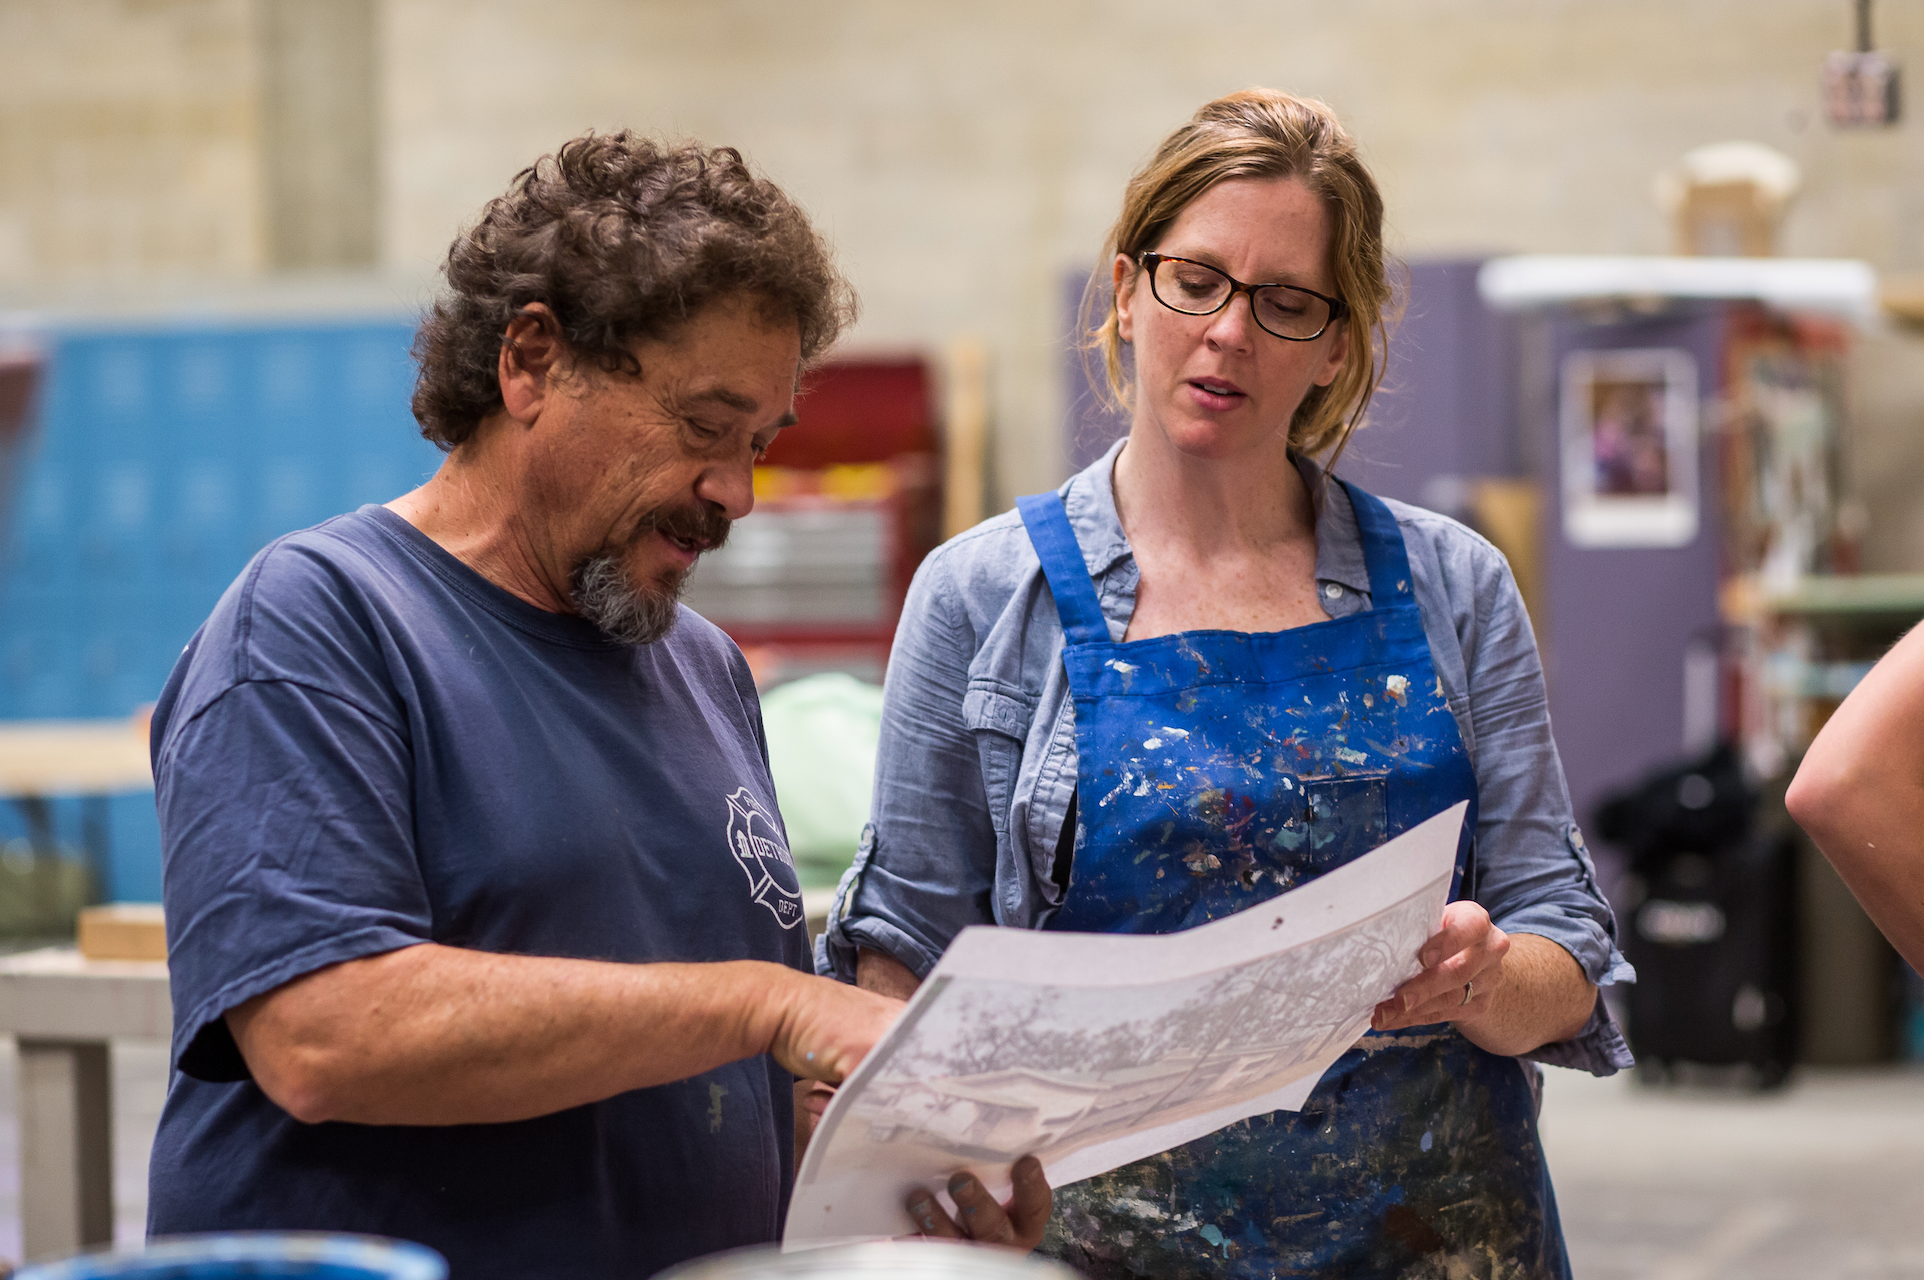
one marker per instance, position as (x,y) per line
(1447,408)
(1620,620)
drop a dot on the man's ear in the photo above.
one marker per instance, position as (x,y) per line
(532,355)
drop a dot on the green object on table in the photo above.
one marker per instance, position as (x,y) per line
(822,732)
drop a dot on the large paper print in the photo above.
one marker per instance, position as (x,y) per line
(1093,1050)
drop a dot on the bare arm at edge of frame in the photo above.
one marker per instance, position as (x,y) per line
(1860,794)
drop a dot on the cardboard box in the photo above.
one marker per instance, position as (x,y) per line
(123,931)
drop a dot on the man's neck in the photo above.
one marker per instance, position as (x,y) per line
(472,508)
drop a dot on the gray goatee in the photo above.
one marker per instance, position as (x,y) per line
(628,612)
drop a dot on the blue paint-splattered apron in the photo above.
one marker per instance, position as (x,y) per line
(1221,768)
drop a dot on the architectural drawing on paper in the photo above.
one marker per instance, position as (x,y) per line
(998,1067)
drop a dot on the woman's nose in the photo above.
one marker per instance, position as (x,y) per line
(1233,327)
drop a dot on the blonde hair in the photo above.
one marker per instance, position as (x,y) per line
(1261,133)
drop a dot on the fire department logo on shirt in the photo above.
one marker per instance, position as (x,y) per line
(756,841)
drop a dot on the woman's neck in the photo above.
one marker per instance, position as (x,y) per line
(1203,509)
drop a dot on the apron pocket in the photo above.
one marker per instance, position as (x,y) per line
(1344,818)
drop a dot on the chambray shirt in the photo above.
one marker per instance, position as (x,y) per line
(977,760)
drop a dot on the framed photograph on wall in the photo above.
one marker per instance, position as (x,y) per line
(1629,434)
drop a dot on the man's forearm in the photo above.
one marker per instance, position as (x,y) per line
(443,1035)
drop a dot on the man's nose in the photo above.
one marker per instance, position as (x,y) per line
(730,486)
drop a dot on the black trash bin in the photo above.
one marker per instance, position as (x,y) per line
(1709,921)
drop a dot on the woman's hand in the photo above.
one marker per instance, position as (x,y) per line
(979,1219)
(1462,973)
(1507,993)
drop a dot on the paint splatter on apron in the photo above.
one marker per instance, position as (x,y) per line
(1219,769)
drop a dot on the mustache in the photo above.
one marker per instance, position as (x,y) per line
(703,527)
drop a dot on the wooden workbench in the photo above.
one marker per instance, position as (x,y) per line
(73,757)
(64,1011)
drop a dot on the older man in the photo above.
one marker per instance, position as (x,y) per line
(482,926)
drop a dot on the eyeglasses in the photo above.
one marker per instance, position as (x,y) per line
(1292,313)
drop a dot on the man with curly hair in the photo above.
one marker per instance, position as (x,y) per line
(482,928)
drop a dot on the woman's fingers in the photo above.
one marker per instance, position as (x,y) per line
(1451,1005)
(1463,969)
(979,1218)
(1464,925)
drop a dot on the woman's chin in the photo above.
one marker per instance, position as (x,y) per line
(1221,441)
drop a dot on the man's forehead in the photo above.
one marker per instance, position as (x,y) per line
(724,393)
(725,396)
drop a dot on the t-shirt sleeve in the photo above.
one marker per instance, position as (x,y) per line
(288,845)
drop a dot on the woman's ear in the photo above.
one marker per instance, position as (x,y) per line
(1122,279)
(1338,354)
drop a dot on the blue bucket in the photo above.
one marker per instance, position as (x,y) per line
(257,1255)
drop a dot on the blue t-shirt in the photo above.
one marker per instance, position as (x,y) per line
(367,746)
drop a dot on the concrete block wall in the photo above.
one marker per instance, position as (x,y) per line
(964,157)
(128,140)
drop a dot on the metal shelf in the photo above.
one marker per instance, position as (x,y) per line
(1881,595)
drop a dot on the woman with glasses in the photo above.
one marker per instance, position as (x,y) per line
(1291,671)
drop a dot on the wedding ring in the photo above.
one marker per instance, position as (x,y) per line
(1469,993)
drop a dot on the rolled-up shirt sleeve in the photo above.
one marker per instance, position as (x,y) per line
(1533,872)
(926,865)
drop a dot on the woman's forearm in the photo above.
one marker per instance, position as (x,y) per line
(1544,998)
(882,973)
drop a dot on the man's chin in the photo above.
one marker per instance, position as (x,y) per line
(627,611)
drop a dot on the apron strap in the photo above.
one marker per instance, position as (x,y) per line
(1383,551)
(1069,582)
(1389,567)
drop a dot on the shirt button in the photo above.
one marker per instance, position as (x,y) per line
(1332,589)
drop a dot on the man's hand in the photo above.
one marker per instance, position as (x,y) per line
(1462,972)
(827,1027)
(811,1101)
(1017,1224)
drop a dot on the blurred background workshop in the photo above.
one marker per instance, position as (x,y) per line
(1662,342)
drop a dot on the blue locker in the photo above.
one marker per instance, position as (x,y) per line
(163,456)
